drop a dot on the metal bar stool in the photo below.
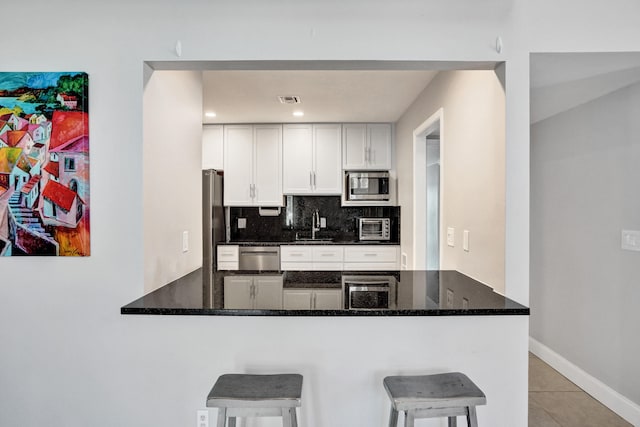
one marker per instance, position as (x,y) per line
(239,395)
(428,396)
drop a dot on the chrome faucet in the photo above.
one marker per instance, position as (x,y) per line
(315,223)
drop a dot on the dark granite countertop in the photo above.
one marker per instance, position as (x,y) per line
(416,293)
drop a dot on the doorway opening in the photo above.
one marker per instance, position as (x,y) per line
(428,151)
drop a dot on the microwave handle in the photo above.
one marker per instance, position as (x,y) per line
(367,282)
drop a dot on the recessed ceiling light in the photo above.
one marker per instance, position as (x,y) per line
(210,114)
(298,113)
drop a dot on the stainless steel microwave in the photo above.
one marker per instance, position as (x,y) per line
(374,228)
(369,292)
(363,186)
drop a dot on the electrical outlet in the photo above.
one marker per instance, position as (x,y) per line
(451,236)
(465,303)
(449,298)
(203,418)
(242,222)
(404,261)
(323,222)
(185,241)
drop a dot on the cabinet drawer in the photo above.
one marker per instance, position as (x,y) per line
(296,254)
(228,253)
(296,266)
(370,266)
(328,253)
(327,266)
(228,265)
(387,254)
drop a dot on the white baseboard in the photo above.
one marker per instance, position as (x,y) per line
(596,388)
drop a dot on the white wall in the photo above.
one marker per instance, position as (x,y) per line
(584,191)
(68,357)
(172,154)
(473,168)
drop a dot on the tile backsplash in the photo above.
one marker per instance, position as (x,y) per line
(295,217)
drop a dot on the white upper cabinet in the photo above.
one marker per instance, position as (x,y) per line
(327,142)
(297,159)
(312,159)
(212,147)
(366,146)
(253,165)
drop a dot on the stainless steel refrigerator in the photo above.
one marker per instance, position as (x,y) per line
(213,222)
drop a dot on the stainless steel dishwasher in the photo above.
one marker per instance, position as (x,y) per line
(261,258)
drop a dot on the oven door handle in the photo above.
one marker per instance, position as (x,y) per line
(367,288)
(384,283)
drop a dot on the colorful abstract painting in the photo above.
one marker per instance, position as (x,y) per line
(44,164)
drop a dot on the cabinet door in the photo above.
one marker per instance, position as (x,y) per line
(354,146)
(371,253)
(296,299)
(238,165)
(379,142)
(327,299)
(268,165)
(238,293)
(268,292)
(297,163)
(212,147)
(327,140)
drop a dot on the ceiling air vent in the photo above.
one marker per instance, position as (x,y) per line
(289,99)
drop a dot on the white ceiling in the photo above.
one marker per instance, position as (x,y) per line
(251,96)
(561,81)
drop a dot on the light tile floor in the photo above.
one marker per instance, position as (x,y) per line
(554,401)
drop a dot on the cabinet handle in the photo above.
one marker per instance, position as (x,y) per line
(310,179)
(370,254)
(314,300)
(314,180)
(366,155)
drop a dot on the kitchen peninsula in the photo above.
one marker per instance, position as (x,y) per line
(414,293)
(438,321)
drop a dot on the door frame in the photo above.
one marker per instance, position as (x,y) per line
(429,126)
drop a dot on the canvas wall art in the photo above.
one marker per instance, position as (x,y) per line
(44,164)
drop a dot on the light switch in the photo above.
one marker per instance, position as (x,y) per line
(185,241)
(242,222)
(630,240)
(451,239)
(465,240)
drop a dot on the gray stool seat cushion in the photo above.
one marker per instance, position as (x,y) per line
(448,390)
(241,390)
(426,396)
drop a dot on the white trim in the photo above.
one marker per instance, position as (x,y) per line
(419,175)
(618,403)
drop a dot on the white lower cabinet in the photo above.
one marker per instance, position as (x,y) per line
(336,257)
(312,299)
(371,257)
(253,292)
(310,257)
(228,257)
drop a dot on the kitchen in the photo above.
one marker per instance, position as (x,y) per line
(455,92)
